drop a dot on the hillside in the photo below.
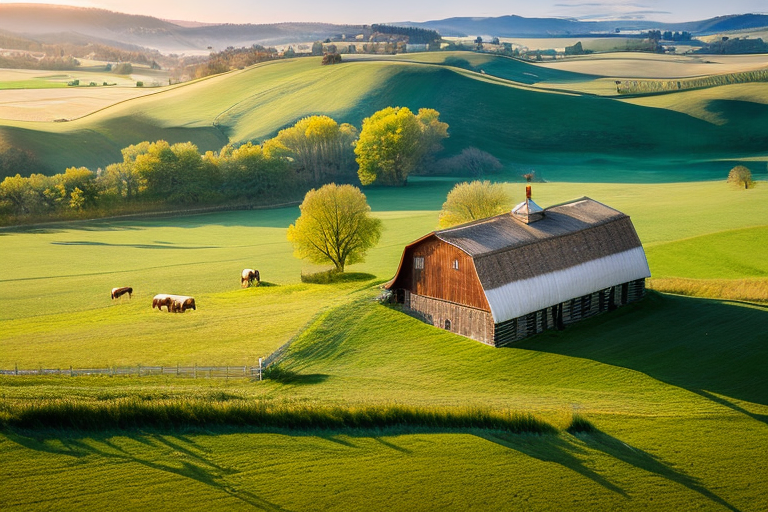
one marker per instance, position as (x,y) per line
(51,23)
(598,138)
(518,26)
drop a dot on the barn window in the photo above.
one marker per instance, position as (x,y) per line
(455,265)
(418,262)
(447,325)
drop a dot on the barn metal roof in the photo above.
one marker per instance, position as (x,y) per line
(504,232)
(577,248)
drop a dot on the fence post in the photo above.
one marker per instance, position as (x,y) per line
(16,370)
(177,369)
(194,372)
(227,377)
(261,370)
(71,374)
(162,370)
(139,369)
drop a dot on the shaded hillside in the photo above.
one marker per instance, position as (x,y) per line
(518,125)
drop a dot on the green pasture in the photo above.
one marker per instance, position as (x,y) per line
(30,84)
(55,280)
(680,420)
(675,386)
(734,254)
(566,136)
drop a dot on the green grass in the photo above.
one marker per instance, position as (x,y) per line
(675,427)
(594,138)
(673,388)
(730,254)
(55,282)
(30,84)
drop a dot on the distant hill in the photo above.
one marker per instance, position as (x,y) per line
(517,26)
(51,22)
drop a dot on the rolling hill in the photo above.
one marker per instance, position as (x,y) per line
(568,136)
(518,26)
(52,23)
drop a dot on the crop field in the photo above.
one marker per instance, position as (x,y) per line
(645,65)
(678,414)
(599,139)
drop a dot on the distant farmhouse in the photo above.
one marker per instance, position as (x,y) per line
(504,278)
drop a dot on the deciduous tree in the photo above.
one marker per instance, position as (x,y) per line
(741,175)
(394,141)
(474,201)
(321,149)
(335,226)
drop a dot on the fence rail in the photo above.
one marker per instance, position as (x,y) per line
(195,372)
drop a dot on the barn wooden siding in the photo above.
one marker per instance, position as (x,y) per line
(470,322)
(439,279)
(568,312)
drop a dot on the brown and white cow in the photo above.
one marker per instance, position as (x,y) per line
(181,303)
(247,276)
(119,292)
(162,299)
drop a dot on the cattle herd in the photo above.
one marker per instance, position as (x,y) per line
(181,303)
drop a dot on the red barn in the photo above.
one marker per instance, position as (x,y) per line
(504,278)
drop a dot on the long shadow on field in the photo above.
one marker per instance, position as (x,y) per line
(620,450)
(192,464)
(553,449)
(731,405)
(572,454)
(695,344)
(135,246)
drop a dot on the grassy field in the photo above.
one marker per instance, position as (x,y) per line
(598,139)
(675,387)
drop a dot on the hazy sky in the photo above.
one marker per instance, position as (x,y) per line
(363,11)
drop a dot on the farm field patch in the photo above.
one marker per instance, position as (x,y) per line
(645,65)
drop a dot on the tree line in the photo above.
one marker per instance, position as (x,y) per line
(314,151)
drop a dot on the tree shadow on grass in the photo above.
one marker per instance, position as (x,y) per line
(553,449)
(570,450)
(620,450)
(688,342)
(198,467)
(160,245)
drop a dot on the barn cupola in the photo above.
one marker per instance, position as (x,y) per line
(528,211)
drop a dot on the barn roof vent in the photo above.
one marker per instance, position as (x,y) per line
(528,211)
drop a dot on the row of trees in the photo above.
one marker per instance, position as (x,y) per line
(314,151)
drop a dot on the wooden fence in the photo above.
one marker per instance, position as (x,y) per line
(195,372)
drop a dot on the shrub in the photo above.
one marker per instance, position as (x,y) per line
(580,425)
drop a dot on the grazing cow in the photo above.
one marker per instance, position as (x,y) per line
(181,303)
(119,292)
(247,277)
(161,300)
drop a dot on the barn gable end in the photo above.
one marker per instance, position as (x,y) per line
(525,277)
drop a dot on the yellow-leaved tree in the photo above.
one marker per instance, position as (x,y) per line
(394,141)
(473,201)
(335,226)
